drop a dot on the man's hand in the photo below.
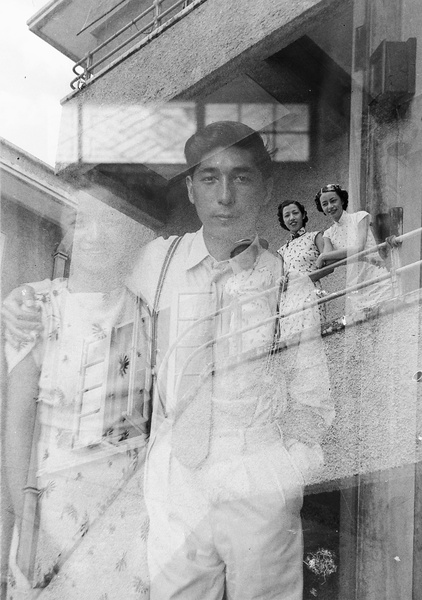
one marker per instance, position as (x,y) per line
(21,316)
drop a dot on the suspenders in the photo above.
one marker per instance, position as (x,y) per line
(155,312)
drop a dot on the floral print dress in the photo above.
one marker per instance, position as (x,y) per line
(252,308)
(299,256)
(93,523)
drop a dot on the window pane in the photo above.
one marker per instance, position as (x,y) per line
(276,121)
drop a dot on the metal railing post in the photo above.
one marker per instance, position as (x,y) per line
(157,7)
(158,19)
(88,64)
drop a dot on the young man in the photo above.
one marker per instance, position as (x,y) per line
(233,436)
(231,441)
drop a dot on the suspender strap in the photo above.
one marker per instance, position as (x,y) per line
(154,317)
(154,322)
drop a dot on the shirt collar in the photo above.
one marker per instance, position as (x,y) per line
(198,250)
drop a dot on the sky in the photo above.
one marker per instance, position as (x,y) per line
(34,77)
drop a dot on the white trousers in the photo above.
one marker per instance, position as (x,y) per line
(230,528)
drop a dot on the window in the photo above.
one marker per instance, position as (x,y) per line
(286,126)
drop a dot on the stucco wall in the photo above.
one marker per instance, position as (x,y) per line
(378,416)
(185,54)
(182,62)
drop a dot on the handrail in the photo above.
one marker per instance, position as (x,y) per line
(323,300)
(281,315)
(353,257)
(87,62)
(113,37)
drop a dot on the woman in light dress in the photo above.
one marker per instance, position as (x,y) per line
(349,234)
(81,525)
(299,256)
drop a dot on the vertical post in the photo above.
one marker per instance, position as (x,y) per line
(157,5)
(396,228)
(30,522)
(61,255)
(60,259)
(83,77)
(89,61)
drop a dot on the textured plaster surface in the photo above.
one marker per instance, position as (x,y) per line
(378,415)
(186,53)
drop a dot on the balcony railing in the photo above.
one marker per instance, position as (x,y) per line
(149,23)
(394,275)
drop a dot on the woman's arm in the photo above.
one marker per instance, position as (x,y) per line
(320,244)
(327,249)
(330,255)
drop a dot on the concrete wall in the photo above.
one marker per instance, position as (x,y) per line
(182,63)
(25,230)
(371,366)
(184,56)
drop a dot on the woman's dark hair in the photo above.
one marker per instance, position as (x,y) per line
(300,207)
(224,134)
(333,187)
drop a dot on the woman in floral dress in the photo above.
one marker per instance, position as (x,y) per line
(299,256)
(89,540)
(250,306)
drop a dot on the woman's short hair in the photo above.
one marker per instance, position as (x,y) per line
(333,187)
(300,207)
(224,134)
